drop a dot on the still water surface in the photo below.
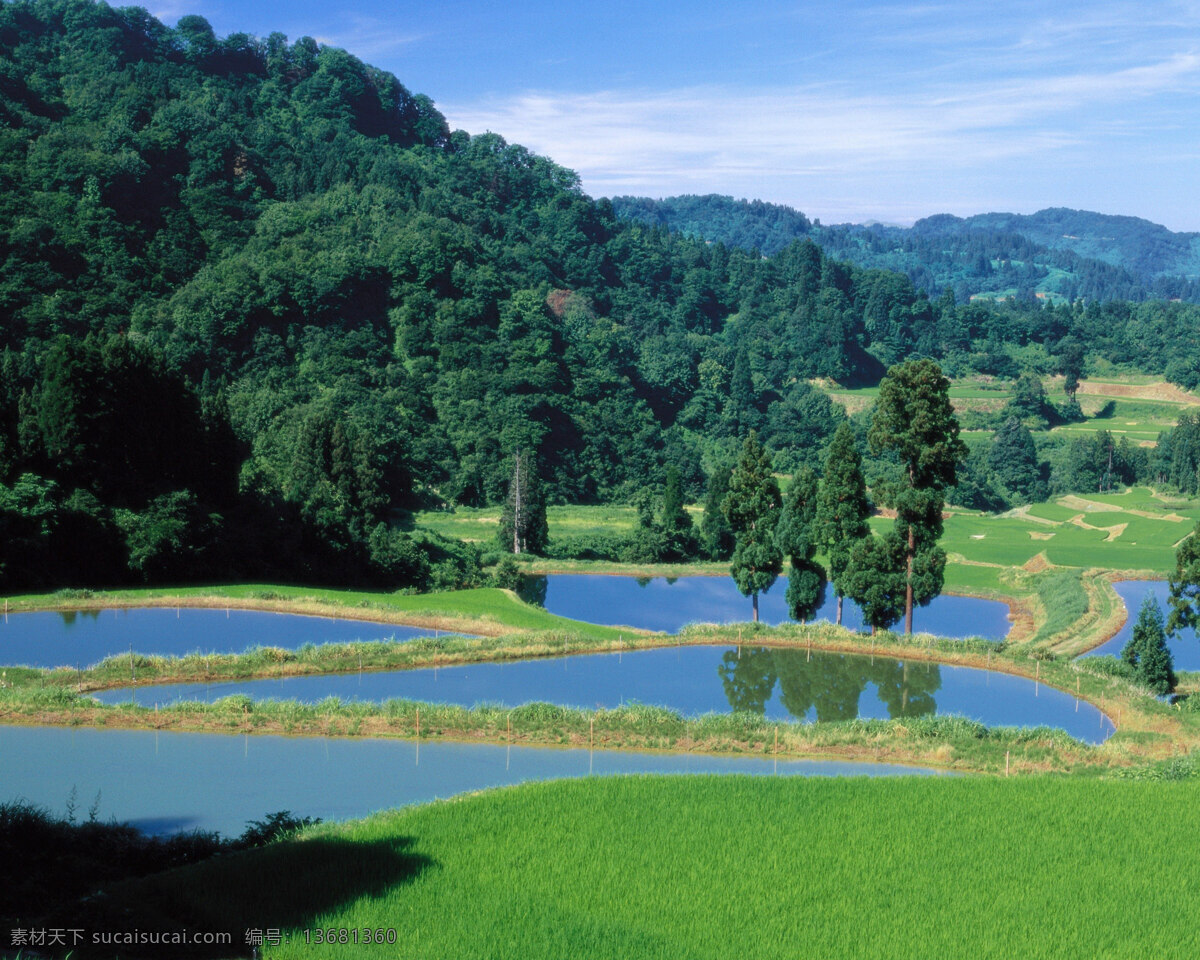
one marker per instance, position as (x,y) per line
(1185,648)
(661,604)
(81,638)
(693,680)
(166,782)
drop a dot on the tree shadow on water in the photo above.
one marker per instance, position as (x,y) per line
(285,885)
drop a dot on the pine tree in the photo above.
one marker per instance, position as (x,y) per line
(1185,585)
(752,508)
(795,535)
(842,507)
(1147,650)
(716,536)
(680,541)
(875,578)
(523,526)
(914,420)
(1013,460)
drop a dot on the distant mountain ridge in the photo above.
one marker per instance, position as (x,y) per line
(1056,253)
(1139,245)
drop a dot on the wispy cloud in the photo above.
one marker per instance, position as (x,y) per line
(169,11)
(369,37)
(700,138)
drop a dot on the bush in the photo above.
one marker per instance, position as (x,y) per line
(596,546)
(1108,666)
(507,575)
(274,826)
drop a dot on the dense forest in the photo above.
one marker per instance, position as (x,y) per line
(258,301)
(1058,253)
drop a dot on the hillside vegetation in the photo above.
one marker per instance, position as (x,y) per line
(1059,254)
(260,303)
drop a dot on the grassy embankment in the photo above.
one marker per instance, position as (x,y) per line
(1147,730)
(718,867)
(486,610)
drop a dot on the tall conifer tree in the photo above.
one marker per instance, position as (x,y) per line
(914,420)
(1147,650)
(842,507)
(716,536)
(523,527)
(752,508)
(795,535)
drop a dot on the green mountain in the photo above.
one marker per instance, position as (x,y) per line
(1144,248)
(257,297)
(258,302)
(1055,253)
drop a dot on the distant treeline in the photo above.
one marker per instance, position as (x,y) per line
(1070,254)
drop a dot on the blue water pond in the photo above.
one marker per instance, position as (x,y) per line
(668,605)
(1185,648)
(693,680)
(166,782)
(81,638)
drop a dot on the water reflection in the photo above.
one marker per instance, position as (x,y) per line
(829,684)
(533,590)
(655,603)
(692,680)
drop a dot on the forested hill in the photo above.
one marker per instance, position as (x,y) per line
(1057,252)
(253,287)
(256,299)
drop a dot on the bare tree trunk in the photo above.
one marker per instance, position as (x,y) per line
(839,612)
(908,593)
(517,505)
(756,608)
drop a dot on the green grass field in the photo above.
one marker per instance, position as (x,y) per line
(490,609)
(1107,404)
(1108,534)
(1112,538)
(718,867)
(479,524)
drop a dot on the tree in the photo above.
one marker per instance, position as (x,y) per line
(795,535)
(875,578)
(915,422)
(1070,364)
(752,508)
(523,527)
(1028,401)
(842,507)
(680,541)
(716,536)
(1147,650)
(1013,461)
(1185,585)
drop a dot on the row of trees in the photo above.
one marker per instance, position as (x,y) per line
(886,575)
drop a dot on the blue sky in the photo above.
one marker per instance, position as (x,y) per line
(847,111)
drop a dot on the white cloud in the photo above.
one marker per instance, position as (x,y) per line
(827,136)
(369,37)
(168,11)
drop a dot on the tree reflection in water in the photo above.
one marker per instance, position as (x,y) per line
(832,683)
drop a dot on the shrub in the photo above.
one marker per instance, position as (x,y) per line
(274,826)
